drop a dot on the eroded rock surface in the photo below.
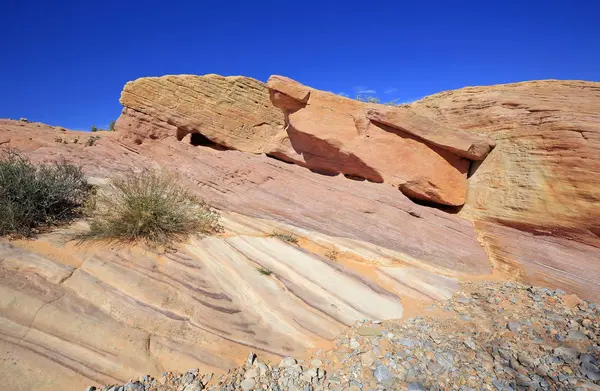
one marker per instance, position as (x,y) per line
(531,215)
(318,130)
(234,111)
(333,134)
(542,176)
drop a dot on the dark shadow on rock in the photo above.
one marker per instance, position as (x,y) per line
(199,140)
(321,156)
(430,204)
(448,156)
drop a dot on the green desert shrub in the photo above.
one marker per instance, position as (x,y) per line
(285,237)
(34,197)
(150,207)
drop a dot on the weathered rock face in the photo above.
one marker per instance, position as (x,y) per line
(71,316)
(543,174)
(318,130)
(234,111)
(330,133)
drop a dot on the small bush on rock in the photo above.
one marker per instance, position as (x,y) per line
(150,207)
(285,237)
(36,197)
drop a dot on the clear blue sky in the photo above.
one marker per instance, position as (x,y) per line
(65,62)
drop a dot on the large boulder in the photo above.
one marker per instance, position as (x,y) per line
(234,112)
(426,160)
(324,132)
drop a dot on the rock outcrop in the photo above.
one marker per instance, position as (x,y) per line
(234,112)
(334,134)
(72,316)
(324,132)
(542,176)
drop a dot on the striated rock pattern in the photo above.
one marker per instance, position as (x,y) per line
(333,134)
(234,111)
(542,175)
(74,316)
(492,336)
(315,129)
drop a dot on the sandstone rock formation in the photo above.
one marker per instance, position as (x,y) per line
(541,180)
(334,134)
(234,112)
(543,174)
(315,129)
(73,316)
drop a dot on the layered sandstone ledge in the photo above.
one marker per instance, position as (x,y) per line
(318,130)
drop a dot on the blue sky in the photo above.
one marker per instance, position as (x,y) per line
(65,62)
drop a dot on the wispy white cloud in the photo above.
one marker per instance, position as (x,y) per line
(364,90)
(390,90)
(343,94)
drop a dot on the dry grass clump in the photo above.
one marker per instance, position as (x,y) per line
(150,207)
(285,237)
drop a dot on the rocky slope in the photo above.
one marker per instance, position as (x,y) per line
(74,316)
(478,340)
(315,129)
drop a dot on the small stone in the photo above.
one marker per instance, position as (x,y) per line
(309,374)
(409,343)
(90,388)
(248,384)
(470,344)
(133,386)
(567,354)
(287,362)
(194,386)
(589,367)
(354,344)
(187,378)
(594,376)
(576,335)
(316,363)
(262,368)
(366,359)
(414,386)
(251,358)
(382,374)
(514,326)
(590,387)
(586,358)
(251,373)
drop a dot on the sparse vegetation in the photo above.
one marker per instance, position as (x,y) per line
(285,237)
(111,126)
(58,140)
(36,197)
(91,141)
(94,128)
(367,99)
(263,271)
(332,255)
(151,208)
